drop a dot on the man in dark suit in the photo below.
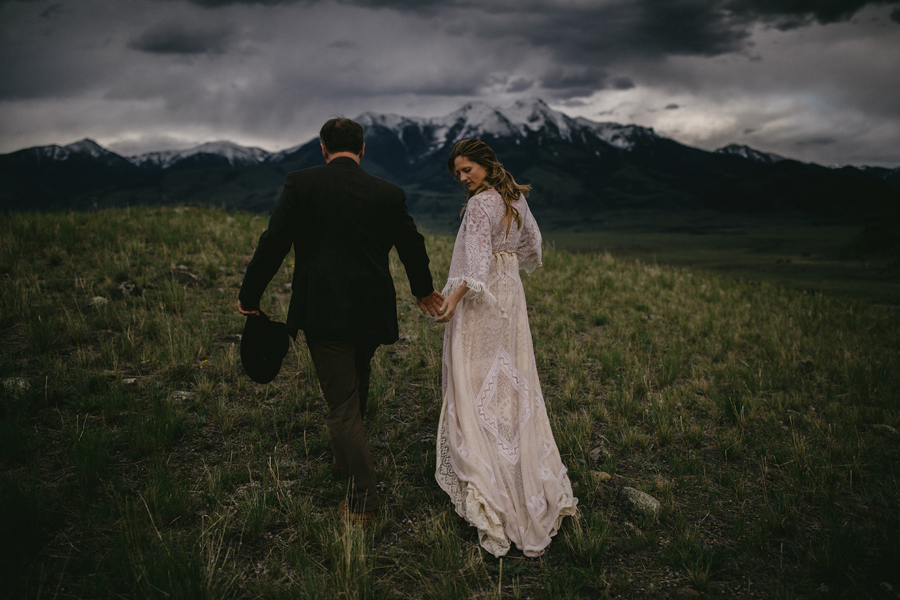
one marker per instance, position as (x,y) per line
(342,223)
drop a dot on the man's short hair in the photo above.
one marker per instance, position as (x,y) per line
(342,135)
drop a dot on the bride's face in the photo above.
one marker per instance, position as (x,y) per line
(470,174)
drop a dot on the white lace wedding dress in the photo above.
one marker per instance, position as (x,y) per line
(497,458)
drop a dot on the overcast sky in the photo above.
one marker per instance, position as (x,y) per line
(817,80)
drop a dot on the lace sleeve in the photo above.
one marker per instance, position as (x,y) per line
(472,256)
(529,248)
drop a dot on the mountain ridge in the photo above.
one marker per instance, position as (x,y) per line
(579,169)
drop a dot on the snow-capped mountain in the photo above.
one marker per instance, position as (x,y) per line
(624,137)
(82,149)
(86,146)
(233,154)
(750,153)
(579,170)
(523,120)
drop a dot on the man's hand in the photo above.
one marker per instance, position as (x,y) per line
(241,310)
(430,303)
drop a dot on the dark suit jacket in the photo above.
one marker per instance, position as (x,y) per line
(342,223)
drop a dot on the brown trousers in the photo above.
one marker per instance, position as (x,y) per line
(343,368)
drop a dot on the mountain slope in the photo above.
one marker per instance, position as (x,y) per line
(46,175)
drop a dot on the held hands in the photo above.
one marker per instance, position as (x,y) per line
(430,303)
(247,312)
(448,307)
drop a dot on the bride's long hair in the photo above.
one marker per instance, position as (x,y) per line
(496,177)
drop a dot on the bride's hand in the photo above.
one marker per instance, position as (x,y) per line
(448,309)
(448,306)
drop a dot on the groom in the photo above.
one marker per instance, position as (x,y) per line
(342,223)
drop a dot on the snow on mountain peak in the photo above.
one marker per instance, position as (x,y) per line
(236,155)
(391,121)
(536,115)
(749,153)
(624,137)
(87,146)
(478,119)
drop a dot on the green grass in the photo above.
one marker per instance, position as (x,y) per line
(139,461)
(795,254)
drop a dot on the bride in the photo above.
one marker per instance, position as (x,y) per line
(497,458)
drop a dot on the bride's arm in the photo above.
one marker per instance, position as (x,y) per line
(529,249)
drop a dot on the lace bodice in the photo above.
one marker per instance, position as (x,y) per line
(483,234)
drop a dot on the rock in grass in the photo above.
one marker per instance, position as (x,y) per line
(186,277)
(598,454)
(638,502)
(805,366)
(16,384)
(127,289)
(181,396)
(95,302)
(600,476)
(883,428)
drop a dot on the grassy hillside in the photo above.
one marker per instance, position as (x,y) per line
(139,461)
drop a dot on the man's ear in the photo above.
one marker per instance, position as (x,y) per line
(324,152)
(362,150)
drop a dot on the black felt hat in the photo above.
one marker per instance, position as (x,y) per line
(263,346)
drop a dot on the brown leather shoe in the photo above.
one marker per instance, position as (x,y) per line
(360,518)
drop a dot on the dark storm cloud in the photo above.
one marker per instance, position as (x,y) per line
(621,29)
(266,72)
(519,85)
(672,106)
(574,79)
(819,141)
(789,14)
(174,38)
(221,3)
(595,42)
(613,34)
(19,82)
(400,4)
(677,27)
(569,82)
(51,10)
(589,40)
